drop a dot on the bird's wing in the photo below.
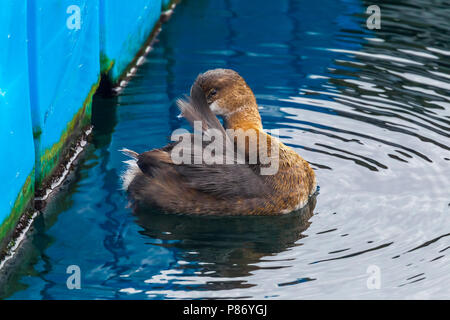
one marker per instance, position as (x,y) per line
(220,180)
(195,108)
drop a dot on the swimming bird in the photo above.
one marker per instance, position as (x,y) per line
(263,178)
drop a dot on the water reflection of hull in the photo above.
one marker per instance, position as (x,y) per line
(229,246)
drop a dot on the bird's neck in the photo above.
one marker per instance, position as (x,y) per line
(245,117)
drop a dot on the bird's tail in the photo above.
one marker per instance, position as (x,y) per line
(130,153)
(132,168)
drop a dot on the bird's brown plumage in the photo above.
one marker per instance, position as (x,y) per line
(220,189)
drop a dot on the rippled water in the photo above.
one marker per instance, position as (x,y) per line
(369,109)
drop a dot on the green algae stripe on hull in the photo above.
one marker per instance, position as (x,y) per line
(55,155)
(21,205)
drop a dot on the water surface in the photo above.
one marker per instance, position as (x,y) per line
(369,109)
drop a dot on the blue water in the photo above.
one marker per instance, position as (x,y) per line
(369,109)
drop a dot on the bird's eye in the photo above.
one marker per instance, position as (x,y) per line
(212,93)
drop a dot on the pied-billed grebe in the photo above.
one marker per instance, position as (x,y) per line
(230,187)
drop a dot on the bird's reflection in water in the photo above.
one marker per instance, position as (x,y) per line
(225,247)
